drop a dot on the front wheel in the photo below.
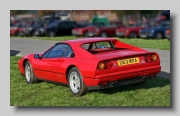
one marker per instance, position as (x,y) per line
(29,74)
(76,84)
(159,35)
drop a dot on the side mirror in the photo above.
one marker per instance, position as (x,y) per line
(36,56)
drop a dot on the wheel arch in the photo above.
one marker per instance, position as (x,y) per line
(68,69)
(159,31)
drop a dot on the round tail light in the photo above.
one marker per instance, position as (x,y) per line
(151,58)
(154,57)
(108,65)
(148,58)
(101,66)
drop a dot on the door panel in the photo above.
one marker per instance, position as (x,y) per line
(46,68)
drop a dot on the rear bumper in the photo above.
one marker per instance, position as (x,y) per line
(137,75)
(122,82)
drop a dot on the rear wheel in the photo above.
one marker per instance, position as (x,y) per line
(51,34)
(103,34)
(76,84)
(29,74)
(86,34)
(159,35)
(133,35)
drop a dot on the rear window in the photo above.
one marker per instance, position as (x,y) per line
(98,47)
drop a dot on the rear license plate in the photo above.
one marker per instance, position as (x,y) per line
(128,61)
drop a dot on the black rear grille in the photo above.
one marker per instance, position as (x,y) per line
(125,82)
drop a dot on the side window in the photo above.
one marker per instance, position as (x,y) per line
(68,53)
(57,51)
(85,46)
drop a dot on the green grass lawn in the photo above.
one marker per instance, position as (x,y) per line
(153,93)
(162,44)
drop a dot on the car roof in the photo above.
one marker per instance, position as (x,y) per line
(87,40)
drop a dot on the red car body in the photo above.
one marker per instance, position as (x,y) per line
(132,31)
(83,31)
(17,30)
(97,67)
(106,31)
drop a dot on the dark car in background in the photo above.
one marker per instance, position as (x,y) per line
(132,31)
(106,31)
(38,29)
(58,28)
(83,31)
(157,31)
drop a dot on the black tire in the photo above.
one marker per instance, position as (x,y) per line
(81,87)
(33,34)
(32,78)
(159,35)
(103,34)
(86,34)
(133,35)
(17,34)
(51,34)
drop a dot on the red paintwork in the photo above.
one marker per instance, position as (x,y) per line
(109,30)
(55,69)
(15,30)
(82,30)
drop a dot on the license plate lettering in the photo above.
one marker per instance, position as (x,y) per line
(128,61)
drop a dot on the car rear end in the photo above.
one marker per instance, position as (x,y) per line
(167,34)
(123,68)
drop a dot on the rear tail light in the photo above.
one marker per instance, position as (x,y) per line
(108,65)
(151,57)
(104,65)
(154,57)
(101,66)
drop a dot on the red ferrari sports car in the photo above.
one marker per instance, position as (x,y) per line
(91,63)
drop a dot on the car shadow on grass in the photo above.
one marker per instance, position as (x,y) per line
(14,52)
(164,74)
(157,82)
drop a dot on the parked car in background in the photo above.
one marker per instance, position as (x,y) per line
(83,31)
(38,29)
(91,64)
(157,31)
(168,34)
(132,31)
(61,28)
(18,29)
(106,31)
(156,20)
